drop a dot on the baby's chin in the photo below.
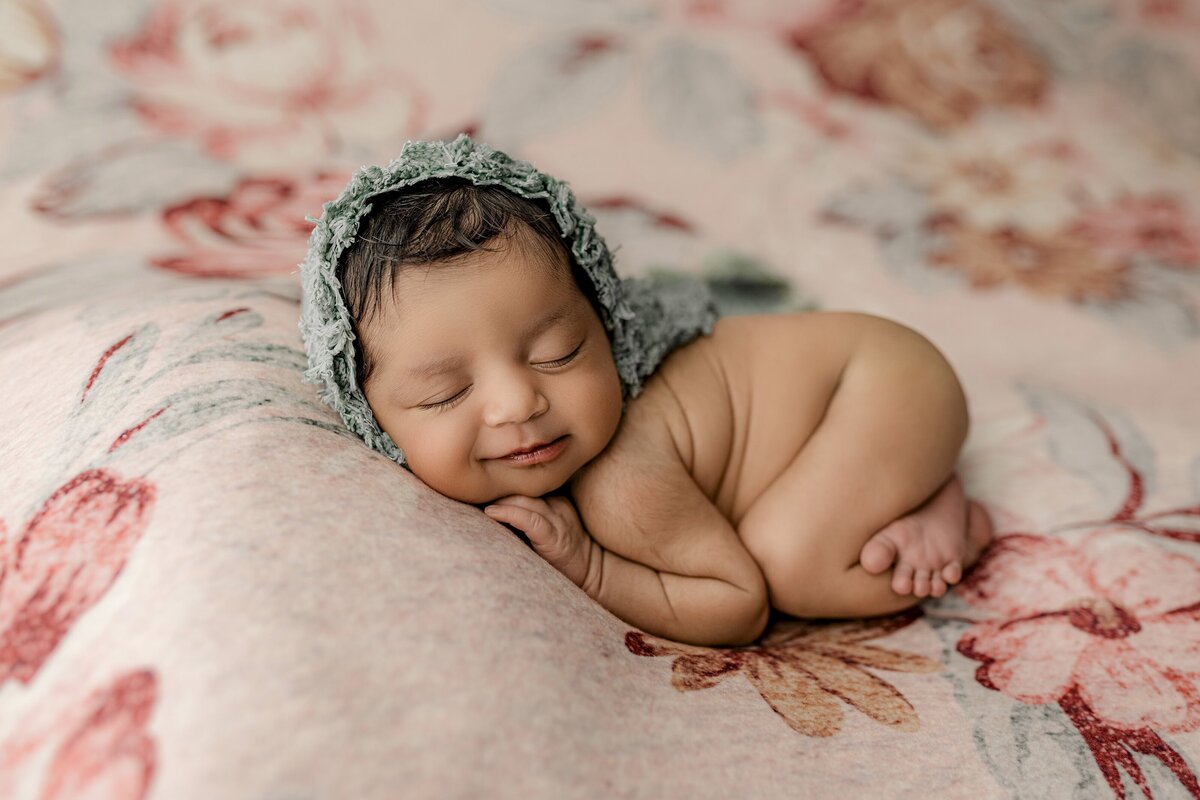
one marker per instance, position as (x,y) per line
(535,483)
(530,486)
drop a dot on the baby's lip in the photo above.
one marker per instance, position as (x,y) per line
(530,448)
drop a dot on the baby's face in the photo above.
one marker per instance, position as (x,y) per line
(515,357)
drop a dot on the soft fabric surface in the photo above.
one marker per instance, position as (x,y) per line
(209,588)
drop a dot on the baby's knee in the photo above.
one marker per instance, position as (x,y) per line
(909,379)
(799,566)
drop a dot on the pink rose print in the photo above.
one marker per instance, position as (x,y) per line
(62,563)
(275,80)
(110,754)
(1107,627)
(1156,225)
(258,229)
(99,742)
(943,61)
(1173,14)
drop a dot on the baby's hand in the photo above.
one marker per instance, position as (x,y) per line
(554,529)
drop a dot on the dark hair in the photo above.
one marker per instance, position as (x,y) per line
(437,221)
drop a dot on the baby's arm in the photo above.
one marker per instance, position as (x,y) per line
(726,607)
(648,545)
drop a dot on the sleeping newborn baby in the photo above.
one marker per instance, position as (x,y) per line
(799,461)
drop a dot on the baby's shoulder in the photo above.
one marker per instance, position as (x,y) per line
(640,487)
(649,438)
(664,429)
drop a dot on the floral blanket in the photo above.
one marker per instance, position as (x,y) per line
(209,589)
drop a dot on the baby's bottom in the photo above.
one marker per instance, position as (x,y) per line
(895,419)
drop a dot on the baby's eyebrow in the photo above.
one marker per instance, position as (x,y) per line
(440,365)
(557,315)
(431,368)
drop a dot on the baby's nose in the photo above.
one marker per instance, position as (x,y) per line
(516,401)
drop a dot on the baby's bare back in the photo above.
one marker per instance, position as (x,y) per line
(739,403)
(804,479)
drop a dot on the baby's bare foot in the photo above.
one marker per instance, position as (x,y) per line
(979,532)
(930,547)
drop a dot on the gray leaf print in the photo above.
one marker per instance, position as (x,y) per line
(696,98)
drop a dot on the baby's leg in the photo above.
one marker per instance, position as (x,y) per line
(888,440)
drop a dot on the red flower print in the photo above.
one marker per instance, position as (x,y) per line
(109,353)
(282,80)
(63,562)
(1114,615)
(258,229)
(83,743)
(1106,625)
(1156,225)
(110,754)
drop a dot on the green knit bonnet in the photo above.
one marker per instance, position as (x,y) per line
(645,319)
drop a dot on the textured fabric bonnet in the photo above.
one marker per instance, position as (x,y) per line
(645,319)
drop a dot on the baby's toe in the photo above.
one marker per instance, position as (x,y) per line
(921,583)
(952,572)
(902,579)
(937,586)
(877,554)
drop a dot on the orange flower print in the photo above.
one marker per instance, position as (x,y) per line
(30,45)
(805,671)
(1050,264)
(63,562)
(998,176)
(941,60)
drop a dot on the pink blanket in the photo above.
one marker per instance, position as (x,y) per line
(209,589)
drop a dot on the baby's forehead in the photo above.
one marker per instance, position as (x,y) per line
(442,338)
(435,294)
(522,268)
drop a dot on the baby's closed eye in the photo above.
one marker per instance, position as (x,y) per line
(569,357)
(453,400)
(449,402)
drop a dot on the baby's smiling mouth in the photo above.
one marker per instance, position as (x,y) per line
(537,452)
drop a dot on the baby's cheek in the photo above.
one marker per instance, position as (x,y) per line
(600,406)
(449,467)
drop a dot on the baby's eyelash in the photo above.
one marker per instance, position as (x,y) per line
(450,402)
(565,359)
(447,403)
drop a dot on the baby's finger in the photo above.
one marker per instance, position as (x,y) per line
(534,524)
(937,586)
(561,506)
(535,504)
